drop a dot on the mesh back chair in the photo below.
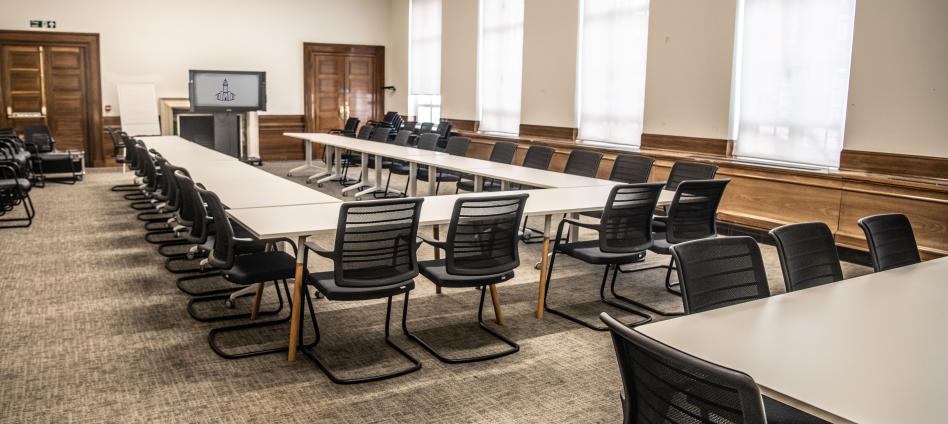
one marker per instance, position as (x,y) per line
(537,157)
(373,258)
(807,254)
(691,216)
(720,272)
(402,139)
(354,158)
(891,241)
(457,146)
(244,269)
(427,141)
(193,214)
(502,152)
(409,126)
(662,384)
(349,130)
(624,234)
(687,171)
(379,136)
(627,169)
(444,132)
(583,163)
(15,190)
(425,127)
(480,251)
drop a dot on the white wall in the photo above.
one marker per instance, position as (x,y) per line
(158,41)
(898,96)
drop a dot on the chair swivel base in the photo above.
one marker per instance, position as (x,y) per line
(310,350)
(225,297)
(602,297)
(514,347)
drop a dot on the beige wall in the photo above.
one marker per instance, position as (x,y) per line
(548,96)
(898,97)
(459,59)
(158,41)
(396,58)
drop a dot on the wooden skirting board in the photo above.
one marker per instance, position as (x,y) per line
(274,145)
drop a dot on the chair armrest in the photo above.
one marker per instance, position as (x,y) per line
(438,244)
(317,249)
(283,239)
(579,223)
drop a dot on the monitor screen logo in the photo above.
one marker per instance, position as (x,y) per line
(225,95)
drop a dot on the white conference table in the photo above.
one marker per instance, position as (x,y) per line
(871,349)
(308,220)
(478,168)
(177,149)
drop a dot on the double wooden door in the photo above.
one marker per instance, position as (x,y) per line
(342,81)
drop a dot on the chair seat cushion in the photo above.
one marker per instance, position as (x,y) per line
(325,282)
(437,272)
(661,245)
(588,251)
(399,168)
(9,183)
(261,267)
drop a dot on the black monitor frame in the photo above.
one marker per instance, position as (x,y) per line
(262,95)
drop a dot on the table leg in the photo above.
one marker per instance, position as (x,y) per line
(256,302)
(432,180)
(437,252)
(377,183)
(574,230)
(364,174)
(412,179)
(544,263)
(307,167)
(297,306)
(478,183)
(332,172)
(495,298)
(505,185)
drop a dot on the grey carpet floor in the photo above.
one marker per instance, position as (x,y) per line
(93,329)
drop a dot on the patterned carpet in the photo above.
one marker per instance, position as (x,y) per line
(93,329)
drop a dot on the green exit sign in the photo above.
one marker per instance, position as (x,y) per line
(38,23)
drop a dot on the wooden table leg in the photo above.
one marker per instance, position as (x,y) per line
(297,307)
(437,252)
(495,298)
(256,302)
(544,264)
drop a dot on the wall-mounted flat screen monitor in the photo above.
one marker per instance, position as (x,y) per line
(227,91)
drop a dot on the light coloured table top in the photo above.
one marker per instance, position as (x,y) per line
(512,173)
(872,349)
(177,150)
(306,220)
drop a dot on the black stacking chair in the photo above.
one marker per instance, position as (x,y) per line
(354,158)
(373,258)
(720,272)
(133,149)
(379,136)
(663,384)
(425,128)
(583,163)
(688,171)
(170,209)
(624,234)
(245,270)
(122,156)
(15,190)
(807,254)
(502,152)
(691,216)
(457,146)
(47,160)
(409,126)
(627,169)
(349,130)
(891,241)
(444,132)
(537,157)
(193,215)
(427,141)
(391,122)
(480,251)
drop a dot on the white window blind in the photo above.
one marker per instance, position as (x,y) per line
(500,63)
(613,51)
(791,79)
(425,47)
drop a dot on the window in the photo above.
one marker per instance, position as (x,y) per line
(425,60)
(500,64)
(791,79)
(613,50)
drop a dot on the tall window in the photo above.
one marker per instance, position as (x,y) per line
(613,50)
(424,63)
(500,65)
(791,79)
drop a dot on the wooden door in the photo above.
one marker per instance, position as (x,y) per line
(342,81)
(53,79)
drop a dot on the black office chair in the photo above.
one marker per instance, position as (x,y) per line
(627,169)
(689,171)
(373,258)
(480,251)
(691,216)
(425,128)
(807,254)
(47,160)
(502,152)
(349,130)
(624,234)
(537,157)
(193,215)
(379,136)
(891,241)
(583,163)
(663,384)
(350,159)
(427,141)
(457,146)
(137,154)
(15,190)
(409,126)
(444,132)
(245,270)
(720,272)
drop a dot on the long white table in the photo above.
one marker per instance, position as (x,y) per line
(872,349)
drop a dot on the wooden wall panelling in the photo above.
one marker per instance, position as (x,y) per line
(463,124)
(276,146)
(543,131)
(708,146)
(894,164)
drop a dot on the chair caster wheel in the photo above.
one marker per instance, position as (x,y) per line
(536,266)
(229,304)
(319,185)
